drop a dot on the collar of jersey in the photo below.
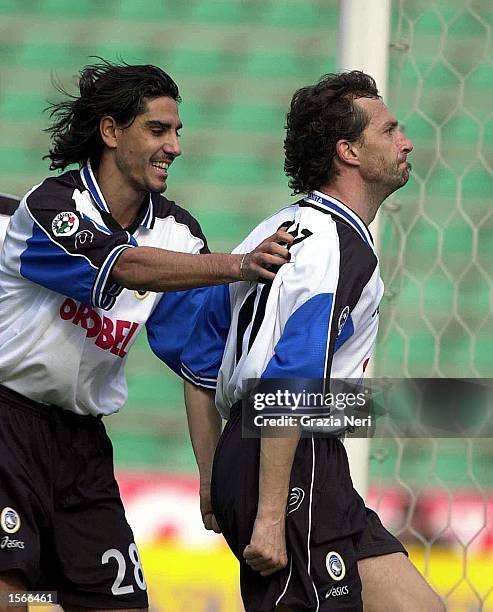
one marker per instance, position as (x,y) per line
(335,207)
(89,180)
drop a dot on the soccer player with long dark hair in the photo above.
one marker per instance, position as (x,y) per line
(90,257)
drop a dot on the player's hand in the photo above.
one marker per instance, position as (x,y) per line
(208,517)
(270,254)
(266,552)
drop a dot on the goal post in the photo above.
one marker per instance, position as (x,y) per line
(363,44)
(436,246)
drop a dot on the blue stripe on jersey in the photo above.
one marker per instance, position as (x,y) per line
(346,332)
(170,325)
(332,205)
(302,349)
(44,262)
(101,228)
(344,214)
(202,355)
(86,171)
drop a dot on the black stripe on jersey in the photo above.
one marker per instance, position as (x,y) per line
(113,224)
(299,236)
(356,266)
(8,204)
(244,317)
(168,208)
(260,313)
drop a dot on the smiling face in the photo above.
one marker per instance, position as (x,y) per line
(145,150)
(383,149)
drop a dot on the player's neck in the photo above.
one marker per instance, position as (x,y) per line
(123,201)
(364,203)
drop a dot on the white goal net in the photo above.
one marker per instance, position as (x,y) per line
(436,245)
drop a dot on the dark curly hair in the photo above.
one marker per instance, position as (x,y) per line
(318,117)
(106,88)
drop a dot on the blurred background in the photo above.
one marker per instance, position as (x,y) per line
(237,63)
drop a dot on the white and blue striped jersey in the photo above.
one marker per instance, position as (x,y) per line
(65,326)
(318,319)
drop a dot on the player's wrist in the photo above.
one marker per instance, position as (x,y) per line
(238,266)
(205,478)
(272,515)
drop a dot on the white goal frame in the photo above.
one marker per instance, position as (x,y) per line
(363,44)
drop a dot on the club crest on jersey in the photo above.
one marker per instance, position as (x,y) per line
(65,224)
(10,521)
(343,318)
(335,565)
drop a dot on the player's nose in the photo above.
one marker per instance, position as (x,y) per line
(172,146)
(407,144)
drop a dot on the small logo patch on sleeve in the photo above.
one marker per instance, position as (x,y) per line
(65,224)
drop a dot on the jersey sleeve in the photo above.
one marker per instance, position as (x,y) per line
(203,353)
(66,251)
(171,324)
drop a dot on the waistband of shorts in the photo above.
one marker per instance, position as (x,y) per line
(49,412)
(235,409)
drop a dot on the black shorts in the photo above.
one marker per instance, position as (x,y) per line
(328,527)
(62,522)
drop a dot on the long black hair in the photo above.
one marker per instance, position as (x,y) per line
(319,116)
(117,90)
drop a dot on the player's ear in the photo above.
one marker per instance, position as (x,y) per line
(348,152)
(108,131)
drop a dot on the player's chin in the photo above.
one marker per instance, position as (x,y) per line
(157,186)
(404,175)
(404,178)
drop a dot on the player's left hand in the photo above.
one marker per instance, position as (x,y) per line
(266,552)
(208,518)
(264,261)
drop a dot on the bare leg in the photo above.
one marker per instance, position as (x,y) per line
(391,583)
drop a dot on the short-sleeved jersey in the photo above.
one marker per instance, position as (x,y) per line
(318,319)
(65,326)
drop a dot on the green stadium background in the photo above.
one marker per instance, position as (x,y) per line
(237,63)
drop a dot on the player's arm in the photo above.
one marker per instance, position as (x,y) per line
(306,315)
(266,552)
(152,269)
(63,249)
(204,424)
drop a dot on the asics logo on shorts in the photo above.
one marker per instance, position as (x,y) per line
(6,542)
(337,591)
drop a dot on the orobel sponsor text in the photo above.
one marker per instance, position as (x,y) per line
(108,335)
